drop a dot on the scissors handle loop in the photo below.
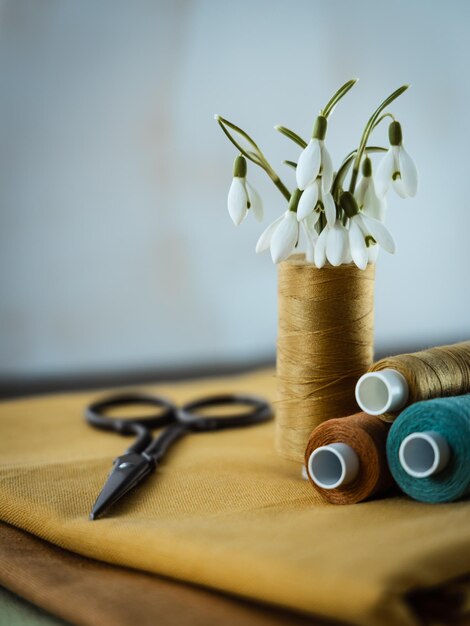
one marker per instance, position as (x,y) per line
(141,426)
(96,413)
(188,413)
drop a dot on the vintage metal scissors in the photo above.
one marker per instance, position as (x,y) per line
(146,453)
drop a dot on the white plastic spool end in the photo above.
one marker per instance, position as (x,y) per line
(423,454)
(333,465)
(382,391)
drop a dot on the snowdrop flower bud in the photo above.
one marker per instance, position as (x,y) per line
(282,235)
(315,159)
(241,195)
(397,167)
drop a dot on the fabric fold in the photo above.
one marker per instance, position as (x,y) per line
(90,593)
(225,512)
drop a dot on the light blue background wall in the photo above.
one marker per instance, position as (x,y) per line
(116,247)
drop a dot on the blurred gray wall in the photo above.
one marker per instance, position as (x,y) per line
(116,247)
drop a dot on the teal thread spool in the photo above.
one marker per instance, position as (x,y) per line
(428,449)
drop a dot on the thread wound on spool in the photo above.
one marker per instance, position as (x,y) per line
(449,417)
(325,342)
(435,373)
(367,436)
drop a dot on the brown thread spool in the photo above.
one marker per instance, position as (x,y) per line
(434,373)
(325,342)
(367,436)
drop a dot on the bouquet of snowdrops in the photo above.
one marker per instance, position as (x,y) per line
(342,220)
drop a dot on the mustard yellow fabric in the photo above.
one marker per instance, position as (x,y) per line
(226,512)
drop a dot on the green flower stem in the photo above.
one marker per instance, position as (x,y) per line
(337,185)
(367,131)
(342,91)
(294,200)
(382,117)
(256,157)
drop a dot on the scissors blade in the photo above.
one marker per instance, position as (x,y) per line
(129,469)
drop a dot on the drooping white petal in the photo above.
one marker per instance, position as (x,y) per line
(308,201)
(379,232)
(361,190)
(377,208)
(255,202)
(285,237)
(319,257)
(336,244)
(309,242)
(237,202)
(409,173)
(373,204)
(308,164)
(384,173)
(357,245)
(373,252)
(327,169)
(265,240)
(330,209)
(399,187)
(347,256)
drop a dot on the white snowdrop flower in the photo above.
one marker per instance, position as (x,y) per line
(315,159)
(285,237)
(357,244)
(314,200)
(282,235)
(242,196)
(368,200)
(362,227)
(331,245)
(371,204)
(336,244)
(378,231)
(397,168)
